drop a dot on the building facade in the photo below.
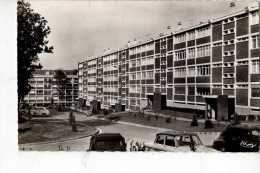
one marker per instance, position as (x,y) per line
(44,89)
(190,68)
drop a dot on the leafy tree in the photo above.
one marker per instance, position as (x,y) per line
(61,81)
(32,32)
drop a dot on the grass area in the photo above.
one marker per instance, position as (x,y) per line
(169,123)
(53,130)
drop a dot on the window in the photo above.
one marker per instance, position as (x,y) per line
(228,86)
(228,31)
(191,71)
(132,64)
(255,91)
(203,32)
(255,67)
(170,141)
(160,139)
(255,41)
(203,70)
(191,35)
(180,55)
(149,75)
(191,53)
(180,38)
(255,18)
(185,140)
(138,75)
(150,60)
(138,89)
(203,91)
(217,86)
(180,72)
(132,76)
(143,75)
(138,62)
(132,89)
(203,51)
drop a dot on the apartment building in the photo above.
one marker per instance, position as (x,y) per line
(213,66)
(44,89)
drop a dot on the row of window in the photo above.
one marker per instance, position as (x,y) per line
(110,78)
(110,67)
(135,89)
(203,70)
(202,51)
(141,62)
(142,48)
(91,79)
(110,89)
(141,75)
(110,57)
(201,32)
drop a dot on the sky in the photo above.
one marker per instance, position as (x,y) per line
(80,29)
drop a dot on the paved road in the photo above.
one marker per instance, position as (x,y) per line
(129,131)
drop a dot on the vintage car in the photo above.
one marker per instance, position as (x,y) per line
(40,111)
(238,138)
(177,142)
(107,142)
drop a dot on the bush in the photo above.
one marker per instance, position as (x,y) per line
(241,117)
(251,117)
(208,124)
(168,120)
(110,110)
(114,118)
(194,121)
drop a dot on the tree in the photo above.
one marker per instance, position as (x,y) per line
(61,81)
(32,32)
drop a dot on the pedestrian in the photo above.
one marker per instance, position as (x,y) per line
(70,117)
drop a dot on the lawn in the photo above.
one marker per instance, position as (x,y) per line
(53,130)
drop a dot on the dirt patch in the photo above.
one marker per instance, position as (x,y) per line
(53,130)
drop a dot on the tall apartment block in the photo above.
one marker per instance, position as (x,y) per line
(44,91)
(213,66)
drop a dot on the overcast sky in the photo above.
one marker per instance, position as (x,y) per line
(84,28)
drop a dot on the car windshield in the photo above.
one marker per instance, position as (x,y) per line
(187,140)
(108,145)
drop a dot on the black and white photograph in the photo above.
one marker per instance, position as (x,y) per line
(130,86)
(128,76)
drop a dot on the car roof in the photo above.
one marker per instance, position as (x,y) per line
(176,133)
(108,136)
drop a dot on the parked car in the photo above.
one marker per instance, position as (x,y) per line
(40,111)
(238,138)
(177,142)
(107,142)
